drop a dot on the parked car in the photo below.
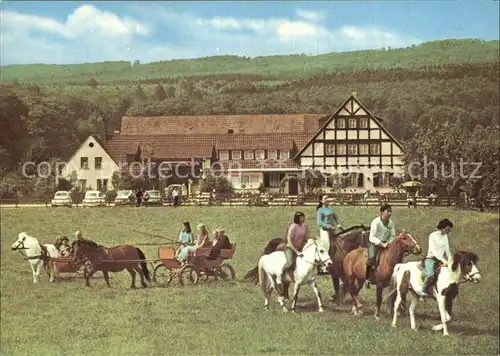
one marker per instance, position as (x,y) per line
(124,197)
(94,198)
(62,198)
(152,197)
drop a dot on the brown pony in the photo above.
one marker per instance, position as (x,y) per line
(355,267)
(340,245)
(112,259)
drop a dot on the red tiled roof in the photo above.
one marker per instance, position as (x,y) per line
(254,164)
(201,145)
(262,141)
(166,125)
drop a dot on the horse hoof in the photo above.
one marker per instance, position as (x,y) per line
(321,310)
(446,334)
(285,310)
(377,318)
(393,325)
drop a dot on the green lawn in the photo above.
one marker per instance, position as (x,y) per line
(66,318)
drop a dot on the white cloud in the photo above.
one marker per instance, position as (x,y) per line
(90,34)
(85,20)
(310,15)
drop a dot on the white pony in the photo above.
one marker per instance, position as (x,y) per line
(408,277)
(271,266)
(36,253)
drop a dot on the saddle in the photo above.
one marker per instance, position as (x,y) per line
(433,277)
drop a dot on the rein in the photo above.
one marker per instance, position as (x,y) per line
(314,263)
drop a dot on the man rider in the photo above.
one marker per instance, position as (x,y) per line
(382,233)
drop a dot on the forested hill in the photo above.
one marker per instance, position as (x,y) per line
(284,67)
(440,99)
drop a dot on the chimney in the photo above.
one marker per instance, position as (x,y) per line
(230,131)
(117,132)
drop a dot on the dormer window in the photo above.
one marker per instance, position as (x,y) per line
(248,154)
(224,155)
(272,154)
(260,154)
(284,154)
(236,154)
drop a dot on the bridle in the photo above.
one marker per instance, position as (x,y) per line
(412,247)
(21,246)
(314,263)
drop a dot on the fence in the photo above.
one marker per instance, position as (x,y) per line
(207,199)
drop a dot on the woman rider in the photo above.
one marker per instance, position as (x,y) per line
(439,251)
(296,238)
(325,218)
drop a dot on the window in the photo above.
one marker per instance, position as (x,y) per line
(272,154)
(236,154)
(84,163)
(363,123)
(341,149)
(245,181)
(82,184)
(383,179)
(236,181)
(329,149)
(375,149)
(363,149)
(260,154)
(341,123)
(102,184)
(274,180)
(98,162)
(224,155)
(352,123)
(284,154)
(248,154)
(352,149)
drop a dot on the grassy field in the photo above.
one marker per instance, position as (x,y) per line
(66,318)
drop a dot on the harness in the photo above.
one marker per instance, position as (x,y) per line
(42,256)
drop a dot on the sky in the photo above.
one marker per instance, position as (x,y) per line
(79,32)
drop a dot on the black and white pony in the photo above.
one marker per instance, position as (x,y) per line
(38,255)
(407,279)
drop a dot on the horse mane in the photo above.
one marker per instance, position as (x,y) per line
(463,256)
(355,227)
(86,241)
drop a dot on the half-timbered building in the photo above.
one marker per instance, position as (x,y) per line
(353,143)
(254,150)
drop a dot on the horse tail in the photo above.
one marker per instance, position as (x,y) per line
(252,275)
(262,276)
(144,265)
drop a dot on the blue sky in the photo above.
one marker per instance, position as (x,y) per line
(77,32)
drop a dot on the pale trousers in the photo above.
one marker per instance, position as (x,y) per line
(324,237)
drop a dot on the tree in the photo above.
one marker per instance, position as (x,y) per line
(13,115)
(93,83)
(160,92)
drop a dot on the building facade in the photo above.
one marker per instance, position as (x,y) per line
(253,150)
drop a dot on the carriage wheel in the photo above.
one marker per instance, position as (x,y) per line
(226,272)
(162,274)
(188,275)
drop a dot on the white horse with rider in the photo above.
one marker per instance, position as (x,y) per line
(271,274)
(38,255)
(407,278)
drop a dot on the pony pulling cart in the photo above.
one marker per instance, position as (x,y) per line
(198,266)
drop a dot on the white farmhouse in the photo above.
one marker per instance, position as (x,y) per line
(92,165)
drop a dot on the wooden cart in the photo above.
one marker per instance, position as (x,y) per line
(197,266)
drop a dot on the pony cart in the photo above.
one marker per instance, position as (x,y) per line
(64,265)
(197,266)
